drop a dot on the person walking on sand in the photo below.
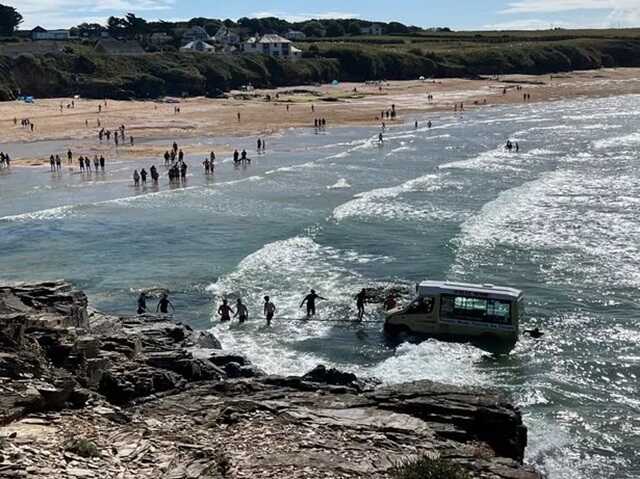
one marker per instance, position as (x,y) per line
(242,313)
(164,303)
(142,303)
(310,299)
(361,300)
(269,310)
(225,311)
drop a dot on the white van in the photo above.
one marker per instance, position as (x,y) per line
(485,315)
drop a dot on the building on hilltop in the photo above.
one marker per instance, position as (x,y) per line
(294,35)
(111,46)
(373,29)
(272,45)
(39,33)
(198,46)
(195,33)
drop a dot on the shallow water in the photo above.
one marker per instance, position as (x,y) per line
(335,212)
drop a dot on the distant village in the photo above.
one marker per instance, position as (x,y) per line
(132,35)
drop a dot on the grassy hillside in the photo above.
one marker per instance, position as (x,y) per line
(80,70)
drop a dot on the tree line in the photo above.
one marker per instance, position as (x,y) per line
(132,26)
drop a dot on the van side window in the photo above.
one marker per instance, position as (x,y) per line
(475,309)
(421,305)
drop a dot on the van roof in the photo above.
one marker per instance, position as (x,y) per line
(431,287)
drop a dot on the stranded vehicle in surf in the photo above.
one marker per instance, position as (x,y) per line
(485,315)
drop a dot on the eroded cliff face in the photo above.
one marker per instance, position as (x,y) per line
(91,395)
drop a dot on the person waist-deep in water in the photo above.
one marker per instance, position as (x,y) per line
(310,300)
(242,313)
(163,304)
(269,310)
(225,311)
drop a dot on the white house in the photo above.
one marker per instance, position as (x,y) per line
(195,33)
(273,45)
(198,46)
(294,35)
(40,33)
(373,29)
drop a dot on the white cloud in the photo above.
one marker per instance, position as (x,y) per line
(529,24)
(301,17)
(555,6)
(67,13)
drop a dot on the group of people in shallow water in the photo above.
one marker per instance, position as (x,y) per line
(226,312)
(512,146)
(141,177)
(5,160)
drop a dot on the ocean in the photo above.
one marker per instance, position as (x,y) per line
(334,211)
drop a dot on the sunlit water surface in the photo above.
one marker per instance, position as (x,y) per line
(336,212)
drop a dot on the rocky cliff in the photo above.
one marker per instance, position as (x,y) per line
(87,395)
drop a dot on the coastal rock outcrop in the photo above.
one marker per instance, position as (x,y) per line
(88,395)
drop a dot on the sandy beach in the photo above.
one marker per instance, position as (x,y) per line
(264,112)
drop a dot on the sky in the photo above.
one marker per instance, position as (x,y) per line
(456,14)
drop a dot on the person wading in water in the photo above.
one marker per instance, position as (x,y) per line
(164,303)
(310,299)
(225,311)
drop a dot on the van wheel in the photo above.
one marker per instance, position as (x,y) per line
(395,329)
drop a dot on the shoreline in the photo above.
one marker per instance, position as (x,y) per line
(346,104)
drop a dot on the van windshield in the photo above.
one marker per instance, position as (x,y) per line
(469,308)
(420,305)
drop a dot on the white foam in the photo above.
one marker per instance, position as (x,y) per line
(286,270)
(632,139)
(342,183)
(378,203)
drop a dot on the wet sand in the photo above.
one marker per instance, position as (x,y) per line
(343,104)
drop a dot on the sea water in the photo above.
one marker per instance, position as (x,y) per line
(335,211)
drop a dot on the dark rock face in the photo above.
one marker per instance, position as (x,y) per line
(152,409)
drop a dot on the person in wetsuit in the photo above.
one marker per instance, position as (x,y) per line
(361,300)
(225,311)
(142,303)
(164,303)
(310,299)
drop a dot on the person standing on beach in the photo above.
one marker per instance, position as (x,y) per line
(102,162)
(380,139)
(225,312)
(69,156)
(81,162)
(96,162)
(164,303)
(259,145)
(310,300)
(52,163)
(143,176)
(269,310)
(136,178)
(58,163)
